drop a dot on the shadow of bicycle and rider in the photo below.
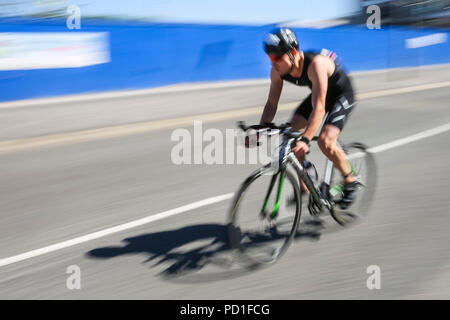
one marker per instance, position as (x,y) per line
(181,250)
(192,253)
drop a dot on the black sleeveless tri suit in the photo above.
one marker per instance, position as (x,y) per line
(339,99)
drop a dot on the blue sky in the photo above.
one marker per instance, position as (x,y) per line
(226,11)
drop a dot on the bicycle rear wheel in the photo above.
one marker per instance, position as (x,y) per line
(364,169)
(264,216)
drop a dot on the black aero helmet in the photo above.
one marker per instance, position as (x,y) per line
(280,41)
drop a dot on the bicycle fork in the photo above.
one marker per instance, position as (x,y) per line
(282,175)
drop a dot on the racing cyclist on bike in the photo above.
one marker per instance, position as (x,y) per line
(331,93)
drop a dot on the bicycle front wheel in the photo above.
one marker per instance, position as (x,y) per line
(264,216)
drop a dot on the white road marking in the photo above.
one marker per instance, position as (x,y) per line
(403,141)
(192,206)
(122,227)
(413,138)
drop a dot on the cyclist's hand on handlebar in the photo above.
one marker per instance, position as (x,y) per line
(301,147)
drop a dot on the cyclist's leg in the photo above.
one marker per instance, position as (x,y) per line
(327,143)
(333,125)
(299,122)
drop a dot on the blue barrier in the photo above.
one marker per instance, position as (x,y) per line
(151,55)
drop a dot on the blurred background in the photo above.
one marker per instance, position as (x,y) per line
(92,91)
(141,44)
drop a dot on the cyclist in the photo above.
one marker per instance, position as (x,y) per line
(331,92)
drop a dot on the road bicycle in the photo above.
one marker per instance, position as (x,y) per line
(265,214)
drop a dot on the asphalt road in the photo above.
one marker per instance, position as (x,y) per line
(59,192)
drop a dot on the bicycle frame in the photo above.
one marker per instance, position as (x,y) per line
(286,156)
(319,198)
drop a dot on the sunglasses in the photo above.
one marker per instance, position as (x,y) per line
(274,58)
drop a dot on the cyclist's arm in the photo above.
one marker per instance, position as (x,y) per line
(317,73)
(276,85)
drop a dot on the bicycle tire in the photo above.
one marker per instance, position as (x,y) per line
(236,235)
(356,212)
